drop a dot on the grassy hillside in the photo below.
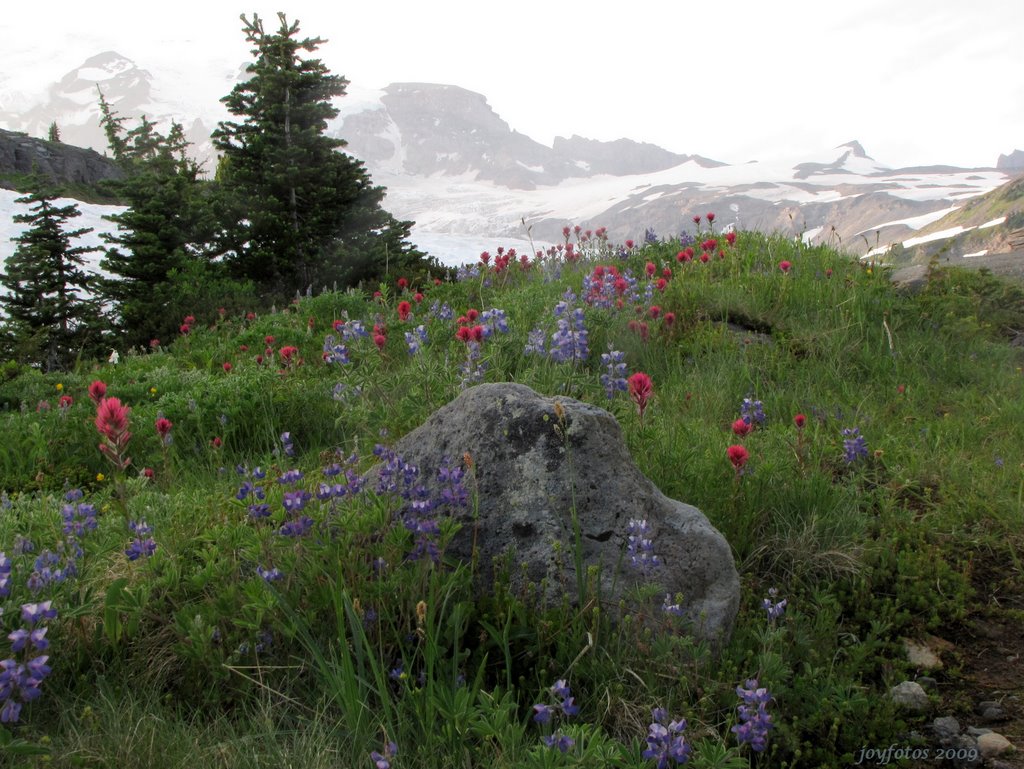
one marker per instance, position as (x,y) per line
(215,607)
(971,228)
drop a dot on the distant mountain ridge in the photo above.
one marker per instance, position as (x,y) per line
(456,168)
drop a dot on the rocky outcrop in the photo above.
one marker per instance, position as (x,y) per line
(538,462)
(62,163)
(1012,163)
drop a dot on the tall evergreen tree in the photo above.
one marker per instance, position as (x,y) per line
(54,133)
(298,210)
(47,312)
(160,235)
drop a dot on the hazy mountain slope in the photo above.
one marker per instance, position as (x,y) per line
(452,165)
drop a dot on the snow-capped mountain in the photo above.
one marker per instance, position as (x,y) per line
(471,182)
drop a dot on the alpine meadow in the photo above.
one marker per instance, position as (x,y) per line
(216,550)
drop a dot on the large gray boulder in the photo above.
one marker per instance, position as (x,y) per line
(532,467)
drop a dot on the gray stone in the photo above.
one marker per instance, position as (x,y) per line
(929,683)
(533,467)
(910,696)
(966,751)
(945,728)
(993,744)
(993,714)
(977,731)
(991,711)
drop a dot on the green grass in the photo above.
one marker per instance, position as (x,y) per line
(190,658)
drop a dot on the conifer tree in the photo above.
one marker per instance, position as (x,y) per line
(47,312)
(53,134)
(110,122)
(299,211)
(161,234)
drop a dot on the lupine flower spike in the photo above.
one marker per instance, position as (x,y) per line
(755,721)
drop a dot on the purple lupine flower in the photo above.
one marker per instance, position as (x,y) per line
(542,713)
(142,546)
(473,368)
(666,743)
(535,342)
(269,575)
(383,760)
(675,609)
(774,609)
(752,411)
(294,501)
(558,741)
(854,445)
(5,575)
(441,312)
(343,392)
(560,690)
(354,329)
(415,339)
(48,571)
(494,321)
(290,477)
(18,639)
(569,342)
(297,527)
(259,510)
(640,547)
(31,613)
(755,721)
(248,489)
(614,378)
(78,519)
(334,351)
(453,492)
(287,445)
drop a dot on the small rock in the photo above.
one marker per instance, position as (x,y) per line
(921,656)
(910,695)
(991,711)
(995,713)
(945,728)
(993,744)
(966,752)
(977,731)
(929,683)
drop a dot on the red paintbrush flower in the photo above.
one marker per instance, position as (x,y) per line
(97,391)
(741,428)
(738,456)
(640,389)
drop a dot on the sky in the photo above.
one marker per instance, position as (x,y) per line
(917,82)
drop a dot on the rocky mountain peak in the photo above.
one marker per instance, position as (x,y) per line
(1012,163)
(855,149)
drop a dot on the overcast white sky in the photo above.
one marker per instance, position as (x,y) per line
(915,81)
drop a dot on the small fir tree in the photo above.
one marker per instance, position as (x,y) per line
(54,133)
(48,313)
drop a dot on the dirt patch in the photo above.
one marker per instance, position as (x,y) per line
(987,663)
